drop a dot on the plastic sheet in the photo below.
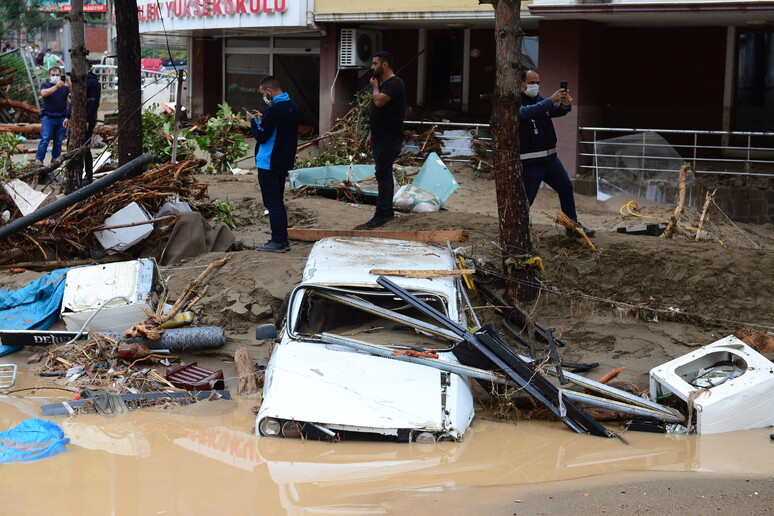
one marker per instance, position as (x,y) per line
(32,439)
(32,307)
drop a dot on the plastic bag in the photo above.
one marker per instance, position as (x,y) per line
(413,199)
(32,439)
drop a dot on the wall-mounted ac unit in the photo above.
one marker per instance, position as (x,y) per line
(357,47)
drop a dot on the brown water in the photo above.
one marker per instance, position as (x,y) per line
(204,459)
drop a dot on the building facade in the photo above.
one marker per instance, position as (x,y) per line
(688,64)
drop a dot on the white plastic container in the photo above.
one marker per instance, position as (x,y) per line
(740,403)
(86,288)
(120,239)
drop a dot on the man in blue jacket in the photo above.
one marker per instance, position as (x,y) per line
(537,140)
(52,115)
(276,136)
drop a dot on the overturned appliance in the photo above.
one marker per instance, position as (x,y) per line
(323,389)
(727,384)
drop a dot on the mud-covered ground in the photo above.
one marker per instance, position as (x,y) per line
(636,302)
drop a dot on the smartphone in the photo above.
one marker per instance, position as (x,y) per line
(563,85)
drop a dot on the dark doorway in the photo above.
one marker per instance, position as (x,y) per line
(444,84)
(300,77)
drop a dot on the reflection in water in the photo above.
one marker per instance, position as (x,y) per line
(204,458)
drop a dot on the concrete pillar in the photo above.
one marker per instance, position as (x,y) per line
(571,50)
(207,85)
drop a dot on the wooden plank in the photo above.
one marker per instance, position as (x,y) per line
(440,237)
(429,273)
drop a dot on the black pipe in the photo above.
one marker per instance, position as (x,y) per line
(131,169)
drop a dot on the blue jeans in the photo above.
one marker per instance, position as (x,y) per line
(552,172)
(51,127)
(272,191)
(385,154)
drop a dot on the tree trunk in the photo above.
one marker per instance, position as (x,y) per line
(512,204)
(77,124)
(129,81)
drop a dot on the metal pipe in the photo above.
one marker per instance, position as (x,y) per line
(388,314)
(618,394)
(618,406)
(673,131)
(482,374)
(133,166)
(387,352)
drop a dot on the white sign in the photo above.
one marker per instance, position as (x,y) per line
(220,14)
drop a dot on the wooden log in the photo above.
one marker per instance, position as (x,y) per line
(246,372)
(23,129)
(312,235)
(429,273)
(15,104)
(58,264)
(707,202)
(675,220)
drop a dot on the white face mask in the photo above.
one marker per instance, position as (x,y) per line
(54,79)
(267,100)
(532,90)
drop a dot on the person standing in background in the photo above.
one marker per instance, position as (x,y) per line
(537,140)
(52,116)
(388,106)
(50,60)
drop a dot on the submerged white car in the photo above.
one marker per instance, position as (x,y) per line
(325,378)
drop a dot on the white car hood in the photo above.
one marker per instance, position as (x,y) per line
(324,384)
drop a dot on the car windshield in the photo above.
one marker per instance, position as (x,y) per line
(370,315)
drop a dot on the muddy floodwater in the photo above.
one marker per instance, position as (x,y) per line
(205,459)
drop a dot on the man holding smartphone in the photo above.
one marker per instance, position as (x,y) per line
(276,137)
(52,115)
(537,139)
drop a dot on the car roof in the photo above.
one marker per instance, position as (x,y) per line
(349,261)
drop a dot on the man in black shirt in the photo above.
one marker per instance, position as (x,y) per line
(386,136)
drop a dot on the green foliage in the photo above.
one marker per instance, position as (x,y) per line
(223,140)
(225,212)
(8,143)
(157,132)
(346,143)
(19,13)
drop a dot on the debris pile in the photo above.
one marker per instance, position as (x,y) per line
(71,234)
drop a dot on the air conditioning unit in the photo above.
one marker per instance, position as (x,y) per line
(357,47)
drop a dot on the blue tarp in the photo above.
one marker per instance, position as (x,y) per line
(32,307)
(32,439)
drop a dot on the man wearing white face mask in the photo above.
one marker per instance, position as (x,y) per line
(276,137)
(537,140)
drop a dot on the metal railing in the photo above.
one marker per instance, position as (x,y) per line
(157,87)
(22,78)
(708,152)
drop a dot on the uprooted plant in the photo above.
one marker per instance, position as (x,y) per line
(223,140)
(157,136)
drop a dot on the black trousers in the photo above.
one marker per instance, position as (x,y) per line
(385,154)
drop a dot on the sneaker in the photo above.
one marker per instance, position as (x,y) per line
(274,247)
(376,222)
(572,233)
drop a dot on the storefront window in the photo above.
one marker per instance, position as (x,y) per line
(295,61)
(243,72)
(754,103)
